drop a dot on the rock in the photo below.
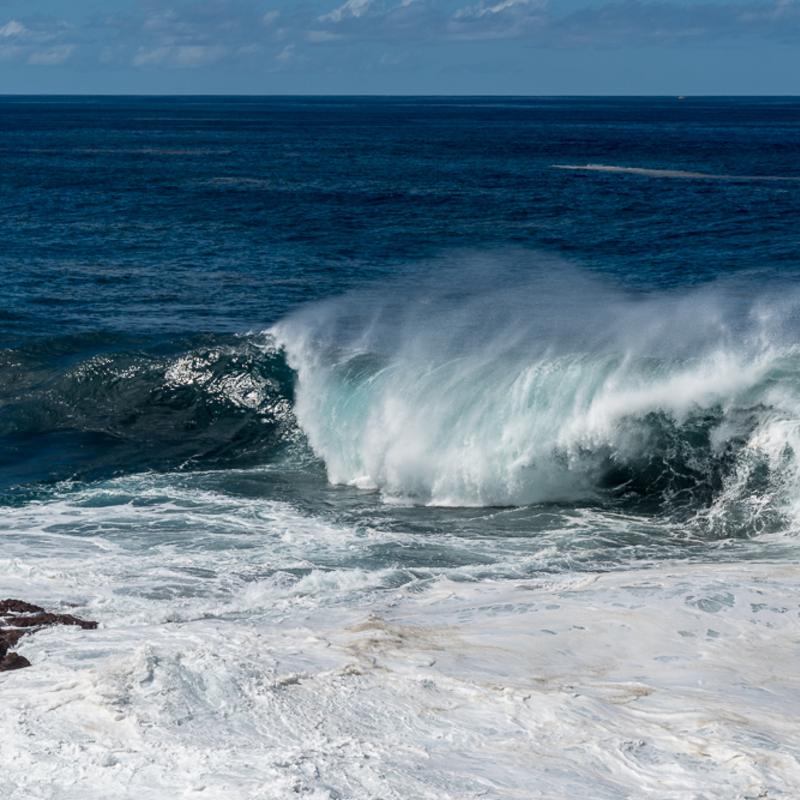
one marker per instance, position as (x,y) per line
(20,618)
(10,636)
(44,619)
(13,661)
(18,607)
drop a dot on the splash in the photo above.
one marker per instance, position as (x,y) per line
(560,386)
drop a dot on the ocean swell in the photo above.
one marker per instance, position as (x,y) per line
(89,406)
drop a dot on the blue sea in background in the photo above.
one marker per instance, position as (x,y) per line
(272,367)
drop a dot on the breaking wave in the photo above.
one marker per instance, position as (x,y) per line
(557,387)
(88,406)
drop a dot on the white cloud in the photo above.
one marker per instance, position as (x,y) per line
(637,22)
(12,28)
(269,18)
(198,55)
(185,56)
(51,56)
(195,33)
(149,57)
(38,45)
(352,8)
(286,55)
(482,10)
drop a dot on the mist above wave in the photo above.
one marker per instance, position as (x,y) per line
(517,379)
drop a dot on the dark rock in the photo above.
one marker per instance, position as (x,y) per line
(44,619)
(20,618)
(13,661)
(10,636)
(18,607)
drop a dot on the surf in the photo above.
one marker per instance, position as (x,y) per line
(526,380)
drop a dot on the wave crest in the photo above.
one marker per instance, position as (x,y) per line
(558,387)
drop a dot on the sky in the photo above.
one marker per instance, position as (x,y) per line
(519,47)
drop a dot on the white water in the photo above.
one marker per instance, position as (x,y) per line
(674,173)
(244,652)
(453,392)
(249,650)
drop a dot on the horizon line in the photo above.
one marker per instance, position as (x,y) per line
(673,95)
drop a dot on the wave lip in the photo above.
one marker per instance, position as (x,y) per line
(674,173)
(557,388)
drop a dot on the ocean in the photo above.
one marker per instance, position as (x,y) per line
(402,448)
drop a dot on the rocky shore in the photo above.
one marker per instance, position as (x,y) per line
(18,619)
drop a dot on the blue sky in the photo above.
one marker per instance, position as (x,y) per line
(400,46)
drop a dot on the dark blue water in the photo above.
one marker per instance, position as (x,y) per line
(141,232)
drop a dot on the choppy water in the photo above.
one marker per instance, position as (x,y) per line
(402,448)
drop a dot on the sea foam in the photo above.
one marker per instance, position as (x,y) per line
(651,172)
(244,652)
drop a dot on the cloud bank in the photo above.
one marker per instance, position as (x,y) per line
(191,34)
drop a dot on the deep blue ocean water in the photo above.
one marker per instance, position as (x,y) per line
(402,447)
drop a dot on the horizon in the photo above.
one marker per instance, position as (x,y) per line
(399,95)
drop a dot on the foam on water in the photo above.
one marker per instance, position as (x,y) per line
(245,651)
(629,630)
(674,173)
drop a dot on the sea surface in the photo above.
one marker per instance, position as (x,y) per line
(407,448)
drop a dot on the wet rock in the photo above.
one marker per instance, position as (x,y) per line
(18,618)
(10,636)
(44,619)
(13,661)
(18,607)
